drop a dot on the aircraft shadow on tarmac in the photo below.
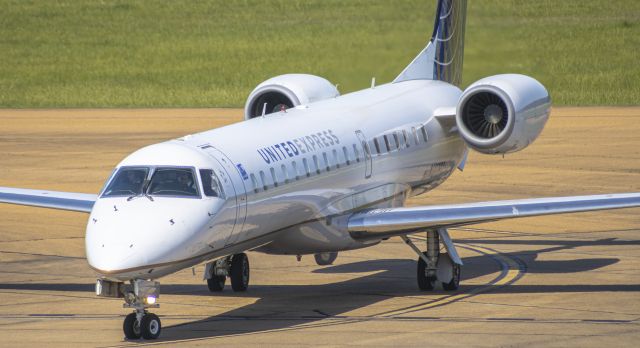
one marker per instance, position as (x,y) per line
(293,307)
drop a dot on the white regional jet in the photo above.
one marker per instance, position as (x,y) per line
(320,173)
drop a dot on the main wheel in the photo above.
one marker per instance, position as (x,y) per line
(131,327)
(455,280)
(325,259)
(216,283)
(239,272)
(425,283)
(150,326)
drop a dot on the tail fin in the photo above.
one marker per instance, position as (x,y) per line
(442,58)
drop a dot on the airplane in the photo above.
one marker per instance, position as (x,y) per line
(310,171)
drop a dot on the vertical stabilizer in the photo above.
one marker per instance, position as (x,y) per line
(442,58)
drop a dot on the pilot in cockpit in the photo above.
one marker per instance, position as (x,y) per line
(184,182)
(131,182)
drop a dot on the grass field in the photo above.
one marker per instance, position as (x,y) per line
(110,53)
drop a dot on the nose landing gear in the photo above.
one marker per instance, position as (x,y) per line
(141,295)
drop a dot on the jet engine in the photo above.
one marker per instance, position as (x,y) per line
(502,113)
(287,91)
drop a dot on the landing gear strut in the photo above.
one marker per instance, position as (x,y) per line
(434,266)
(236,267)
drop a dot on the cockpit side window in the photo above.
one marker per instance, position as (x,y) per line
(173,182)
(128,181)
(211,184)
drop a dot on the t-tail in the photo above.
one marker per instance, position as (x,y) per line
(442,58)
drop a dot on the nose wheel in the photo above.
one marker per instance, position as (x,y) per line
(148,327)
(131,327)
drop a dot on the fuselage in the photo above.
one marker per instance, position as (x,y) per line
(286,182)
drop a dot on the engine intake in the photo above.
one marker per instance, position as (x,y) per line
(485,114)
(287,91)
(502,113)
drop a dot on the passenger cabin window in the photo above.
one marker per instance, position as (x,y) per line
(264,180)
(386,142)
(356,153)
(294,165)
(173,182)
(316,163)
(384,146)
(211,184)
(254,182)
(425,135)
(376,145)
(327,165)
(347,160)
(274,177)
(128,181)
(415,135)
(391,142)
(285,175)
(306,167)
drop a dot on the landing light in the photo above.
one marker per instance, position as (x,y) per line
(151,300)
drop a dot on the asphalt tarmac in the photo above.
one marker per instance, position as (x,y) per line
(564,280)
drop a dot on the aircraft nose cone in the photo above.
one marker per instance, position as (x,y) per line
(111,257)
(123,236)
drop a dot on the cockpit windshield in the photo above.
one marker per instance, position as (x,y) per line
(174,182)
(164,181)
(127,182)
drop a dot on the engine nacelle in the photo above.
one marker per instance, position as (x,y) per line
(502,113)
(287,91)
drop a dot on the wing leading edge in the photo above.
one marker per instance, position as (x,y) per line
(81,202)
(381,223)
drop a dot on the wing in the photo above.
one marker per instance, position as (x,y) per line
(82,202)
(382,223)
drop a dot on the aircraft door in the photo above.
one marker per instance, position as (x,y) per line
(367,154)
(233,183)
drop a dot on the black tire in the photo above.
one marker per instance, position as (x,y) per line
(239,272)
(325,259)
(150,326)
(424,283)
(216,283)
(454,284)
(131,327)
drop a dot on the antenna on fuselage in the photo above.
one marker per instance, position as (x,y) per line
(264,109)
(373,82)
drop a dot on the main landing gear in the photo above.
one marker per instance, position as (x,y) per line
(325,259)
(235,267)
(434,266)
